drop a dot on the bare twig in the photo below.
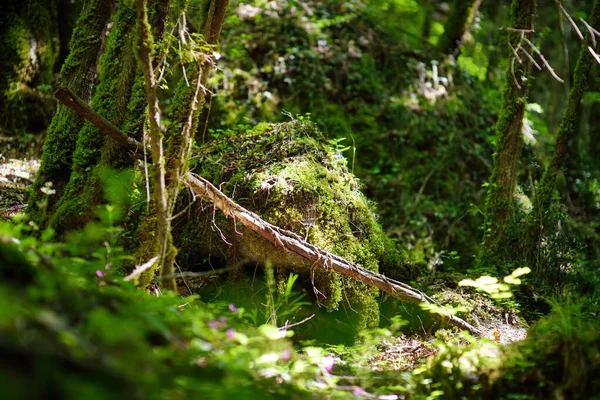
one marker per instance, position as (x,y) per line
(195,274)
(539,53)
(515,53)
(593,32)
(140,269)
(75,103)
(573,24)
(510,28)
(594,54)
(512,71)
(286,326)
(530,58)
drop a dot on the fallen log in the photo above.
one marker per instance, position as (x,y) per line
(283,239)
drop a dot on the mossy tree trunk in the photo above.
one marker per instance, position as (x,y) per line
(461,17)
(188,101)
(502,183)
(537,219)
(120,98)
(79,74)
(29,48)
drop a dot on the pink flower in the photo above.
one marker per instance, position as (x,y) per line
(328,362)
(233,308)
(213,324)
(230,333)
(358,391)
(285,355)
(99,273)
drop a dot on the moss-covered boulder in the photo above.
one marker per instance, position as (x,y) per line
(294,178)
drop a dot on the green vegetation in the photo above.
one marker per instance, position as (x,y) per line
(320,194)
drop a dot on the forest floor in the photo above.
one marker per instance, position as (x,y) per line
(16,176)
(399,353)
(406,352)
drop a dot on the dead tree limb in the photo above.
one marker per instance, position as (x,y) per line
(75,103)
(289,241)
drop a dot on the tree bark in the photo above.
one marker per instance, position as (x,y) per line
(509,140)
(115,91)
(79,74)
(187,105)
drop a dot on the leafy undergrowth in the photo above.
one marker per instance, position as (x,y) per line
(72,327)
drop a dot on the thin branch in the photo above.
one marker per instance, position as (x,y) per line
(594,54)
(75,103)
(593,32)
(195,274)
(140,269)
(514,51)
(286,326)
(510,28)
(539,53)
(512,71)
(530,58)
(573,24)
(145,50)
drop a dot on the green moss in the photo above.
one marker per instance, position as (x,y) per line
(111,100)
(29,48)
(77,73)
(500,198)
(289,175)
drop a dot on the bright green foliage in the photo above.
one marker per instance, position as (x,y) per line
(559,359)
(75,329)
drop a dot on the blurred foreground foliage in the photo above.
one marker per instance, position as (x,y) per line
(71,327)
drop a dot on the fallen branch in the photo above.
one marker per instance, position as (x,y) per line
(289,241)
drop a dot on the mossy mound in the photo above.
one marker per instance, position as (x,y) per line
(292,177)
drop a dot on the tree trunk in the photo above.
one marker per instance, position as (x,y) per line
(460,19)
(502,183)
(79,74)
(537,221)
(117,97)
(29,48)
(187,105)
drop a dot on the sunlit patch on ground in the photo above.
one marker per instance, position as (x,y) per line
(16,177)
